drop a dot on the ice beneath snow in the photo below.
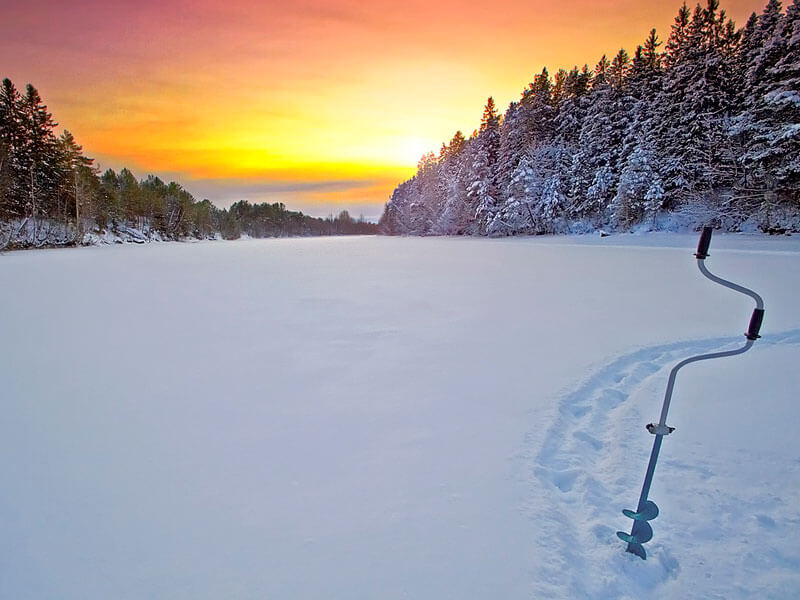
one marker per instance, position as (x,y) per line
(396,418)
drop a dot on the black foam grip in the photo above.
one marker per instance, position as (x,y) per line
(755,324)
(705,242)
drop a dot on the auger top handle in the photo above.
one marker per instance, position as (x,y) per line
(758,312)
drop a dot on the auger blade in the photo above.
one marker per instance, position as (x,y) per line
(638,550)
(641,533)
(648,512)
(625,537)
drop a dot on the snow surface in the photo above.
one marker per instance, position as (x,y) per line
(395,418)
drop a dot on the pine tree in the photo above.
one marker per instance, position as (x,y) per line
(454,219)
(39,156)
(80,178)
(109,202)
(538,110)
(457,144)
(552,205)
(129,197)
(771,123)
(481,190)
(595,165)
(516,215)
(481,194)
(513,143)
(677,44)
(13,198)
(784,97)
(559,88)
(619,68)
(638,190)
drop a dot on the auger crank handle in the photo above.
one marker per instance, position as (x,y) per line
(704,243)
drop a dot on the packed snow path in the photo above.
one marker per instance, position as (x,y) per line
(395,418)
(585,464)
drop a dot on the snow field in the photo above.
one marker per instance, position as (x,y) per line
(395,418)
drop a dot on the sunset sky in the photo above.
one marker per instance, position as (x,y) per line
(321,105)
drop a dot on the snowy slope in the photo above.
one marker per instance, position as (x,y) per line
(395,418)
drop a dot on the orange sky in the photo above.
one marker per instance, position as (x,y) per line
(320,105)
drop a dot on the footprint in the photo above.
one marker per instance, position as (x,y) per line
(766,521)
(579,410)
(589,439)
(602,532)
(563,480)
(611,398)
(645,369)
(701,469)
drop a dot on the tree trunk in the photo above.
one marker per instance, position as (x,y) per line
(33,206)
(77,211)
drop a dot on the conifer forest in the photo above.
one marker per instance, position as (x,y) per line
(700,128)
(51,194)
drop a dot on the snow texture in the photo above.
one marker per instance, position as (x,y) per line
(396,418)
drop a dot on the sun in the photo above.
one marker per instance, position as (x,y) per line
(409,149)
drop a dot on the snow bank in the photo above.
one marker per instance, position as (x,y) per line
(46,233)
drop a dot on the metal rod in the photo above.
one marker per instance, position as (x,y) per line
(648,477)
(701,263)
(674,372)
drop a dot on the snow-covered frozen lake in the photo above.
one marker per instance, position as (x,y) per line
(395,418)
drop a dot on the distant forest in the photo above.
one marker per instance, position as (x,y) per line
(51,194)
(702,129)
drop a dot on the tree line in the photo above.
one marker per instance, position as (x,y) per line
(51,194)
(702,129)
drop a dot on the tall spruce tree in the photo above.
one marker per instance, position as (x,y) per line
(39,157)
(78,181)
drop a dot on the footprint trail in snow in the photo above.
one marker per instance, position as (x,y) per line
(590,466)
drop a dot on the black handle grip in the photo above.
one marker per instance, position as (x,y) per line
(705,242)
(755,324)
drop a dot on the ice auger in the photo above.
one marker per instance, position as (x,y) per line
(647,510)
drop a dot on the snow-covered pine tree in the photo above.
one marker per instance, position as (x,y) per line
(513,144)
(784,97)
(595,165)
(571,114)
(429,195)
(559,88)
(39,158)
(643,87)
(771,121)
(635,182)
(516,214)
(745,197)
(551,207)
(12,170)
(619,68)
(653,201)
(665,120)
(537,110)
(80,180)
(454,219)
(481,191)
